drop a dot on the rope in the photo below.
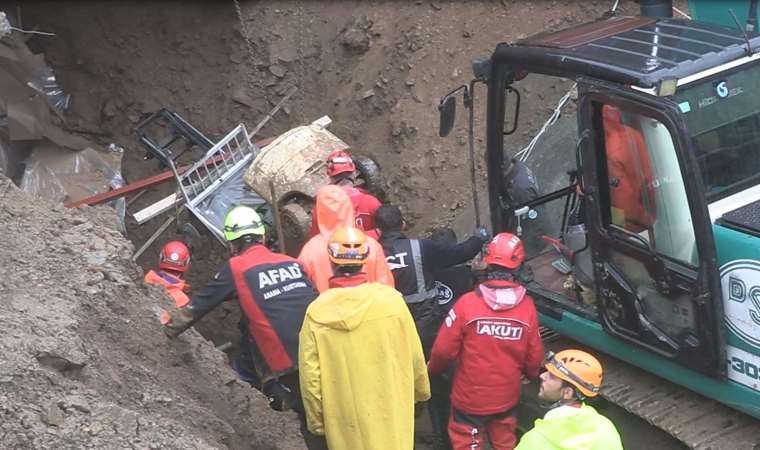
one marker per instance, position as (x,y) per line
(43,33)
(525,153)
(681,13)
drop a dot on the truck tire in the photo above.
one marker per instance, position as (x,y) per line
(296,222)
(369,171)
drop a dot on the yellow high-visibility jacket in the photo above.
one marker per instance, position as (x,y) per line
(362,368)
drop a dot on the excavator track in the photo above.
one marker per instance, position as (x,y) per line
(696,421)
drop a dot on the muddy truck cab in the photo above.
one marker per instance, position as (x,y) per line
(656,259)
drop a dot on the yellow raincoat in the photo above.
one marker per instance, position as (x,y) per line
(362,368)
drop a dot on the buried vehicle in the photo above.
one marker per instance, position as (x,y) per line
(290,170)
(659,224)
(278,177)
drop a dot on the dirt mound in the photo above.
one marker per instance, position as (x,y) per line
(83,362)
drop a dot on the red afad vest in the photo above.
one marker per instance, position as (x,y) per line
(274,292)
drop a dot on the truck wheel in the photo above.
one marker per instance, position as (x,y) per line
(369,171)
(295,225)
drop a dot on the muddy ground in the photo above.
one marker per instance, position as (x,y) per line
(85,364)
(377,69)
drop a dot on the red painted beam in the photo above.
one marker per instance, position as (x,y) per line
(141,184)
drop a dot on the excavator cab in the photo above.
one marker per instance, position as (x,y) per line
(657,257)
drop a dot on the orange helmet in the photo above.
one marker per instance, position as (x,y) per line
(339,162)
(174,256)
(577,368)
(505,250)
(348,247)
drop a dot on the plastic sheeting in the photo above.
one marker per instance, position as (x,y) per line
(64,176)
(233,192)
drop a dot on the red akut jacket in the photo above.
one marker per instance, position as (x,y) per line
(365,205)
(492,335)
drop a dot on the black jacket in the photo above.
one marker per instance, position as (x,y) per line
(414,262)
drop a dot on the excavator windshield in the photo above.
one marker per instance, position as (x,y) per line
(722,114)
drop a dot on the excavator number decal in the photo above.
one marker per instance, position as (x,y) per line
(743,367)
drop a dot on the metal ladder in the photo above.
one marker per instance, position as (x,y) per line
(226,158)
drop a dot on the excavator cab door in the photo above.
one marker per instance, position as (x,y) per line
(655,273)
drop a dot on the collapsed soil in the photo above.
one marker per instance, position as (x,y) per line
(85,364)
(377,68)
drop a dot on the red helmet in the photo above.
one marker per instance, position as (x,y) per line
(505,250)
(339,162)
(174,256)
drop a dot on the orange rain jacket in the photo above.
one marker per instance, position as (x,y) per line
(333,210)
(632,196)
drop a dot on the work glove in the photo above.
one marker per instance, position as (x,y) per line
(179,320)
(278,395)
(482,234)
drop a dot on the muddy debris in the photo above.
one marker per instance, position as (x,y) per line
(84,361)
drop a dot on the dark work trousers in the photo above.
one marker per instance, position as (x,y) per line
(439,408)
(423,314)
(295,402)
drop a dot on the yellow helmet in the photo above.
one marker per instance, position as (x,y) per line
(577,368)
(348,247)
(241,221)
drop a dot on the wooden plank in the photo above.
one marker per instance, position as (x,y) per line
(153,238)
(156,209)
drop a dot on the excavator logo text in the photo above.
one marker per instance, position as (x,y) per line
(740,285)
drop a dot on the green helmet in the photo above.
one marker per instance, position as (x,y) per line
(241,221)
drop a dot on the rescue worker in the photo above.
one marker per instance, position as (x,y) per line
(632,182)
(173,262)
(413,263)
(451,283)
(273,291)
(342,172)
(492,336)
(571,377)
(333,210)
(361,362)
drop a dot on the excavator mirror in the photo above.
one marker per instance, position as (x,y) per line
(447,111)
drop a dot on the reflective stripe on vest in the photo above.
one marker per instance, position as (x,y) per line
(422,293)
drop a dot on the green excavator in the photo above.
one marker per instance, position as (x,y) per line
(649,252)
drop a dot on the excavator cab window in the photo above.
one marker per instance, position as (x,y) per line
(646,197)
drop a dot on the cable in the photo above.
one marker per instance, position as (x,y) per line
(43,33)
(681,13)
(525,153)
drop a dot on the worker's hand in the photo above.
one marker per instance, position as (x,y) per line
(178,321)
(278,395)
(482,234)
